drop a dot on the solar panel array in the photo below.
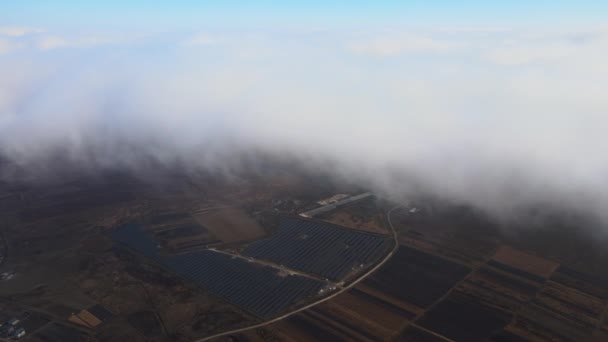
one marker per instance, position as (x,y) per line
(254,288)
(320,248)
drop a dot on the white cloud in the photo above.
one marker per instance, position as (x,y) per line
(402,45)
(82,42)
(547,48)
(51,42)
(200,39)
(18,31)
(463,124)
(516,53)
(7,46)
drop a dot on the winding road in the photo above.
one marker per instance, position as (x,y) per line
(324,299)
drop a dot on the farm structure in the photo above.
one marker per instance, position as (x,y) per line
(324,249)
(258,289)
(335,204)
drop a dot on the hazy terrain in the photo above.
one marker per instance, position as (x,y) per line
(303,170)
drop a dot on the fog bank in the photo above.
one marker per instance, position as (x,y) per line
(501,119)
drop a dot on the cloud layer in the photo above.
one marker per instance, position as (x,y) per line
(502,119)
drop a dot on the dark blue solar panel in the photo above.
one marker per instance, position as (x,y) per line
(320,248)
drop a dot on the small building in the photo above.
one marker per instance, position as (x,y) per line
(20,333)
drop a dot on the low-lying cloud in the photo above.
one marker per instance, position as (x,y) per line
(499,119)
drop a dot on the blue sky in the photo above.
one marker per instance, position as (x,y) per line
(186,14)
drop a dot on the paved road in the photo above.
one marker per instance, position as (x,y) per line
(322,300)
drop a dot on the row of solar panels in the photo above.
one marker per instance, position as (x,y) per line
(320,248)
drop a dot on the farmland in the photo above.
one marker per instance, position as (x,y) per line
(448,284)
(416,277)
(462,318)
(319,248)
(523,264)
(152,264)
(230,225)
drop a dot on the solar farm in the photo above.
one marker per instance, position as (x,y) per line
(271,274)
(260,290)
(324,249)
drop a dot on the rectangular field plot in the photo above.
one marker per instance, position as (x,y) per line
(254,288)
(583,282)
(463,318)
(523,264)
(59,333)
(507,336)
(306,327)
(547,325)
(320,248)
(570,303)
(230,225)
(416,277)
(502,289)
(415,334)
(369,317)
